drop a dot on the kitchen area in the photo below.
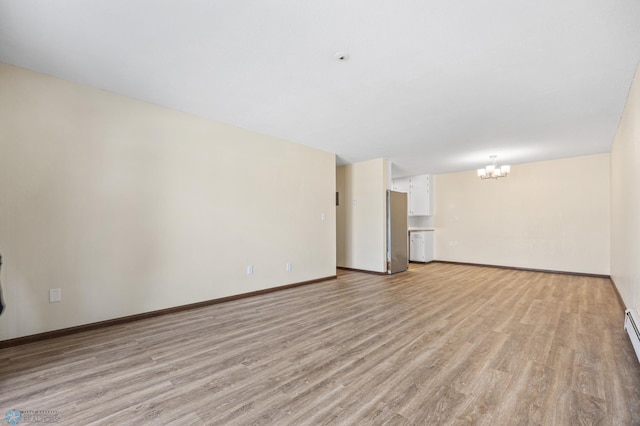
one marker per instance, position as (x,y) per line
(419,190)
(382,222)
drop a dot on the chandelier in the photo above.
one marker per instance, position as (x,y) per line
(493,171)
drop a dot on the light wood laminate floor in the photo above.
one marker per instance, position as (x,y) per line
(439,344)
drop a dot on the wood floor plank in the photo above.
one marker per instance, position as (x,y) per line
(488,391)
(438,344)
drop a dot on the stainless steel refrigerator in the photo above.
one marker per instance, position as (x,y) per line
(397,232)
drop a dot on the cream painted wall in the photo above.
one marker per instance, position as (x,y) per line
(129,207)
(550,215)
(361,215)
(625,201)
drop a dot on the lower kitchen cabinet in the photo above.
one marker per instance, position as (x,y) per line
(421,246)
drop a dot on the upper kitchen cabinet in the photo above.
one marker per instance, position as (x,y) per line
(402,185)
(420,195)
(419,190)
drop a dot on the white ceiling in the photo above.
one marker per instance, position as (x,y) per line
(434,86)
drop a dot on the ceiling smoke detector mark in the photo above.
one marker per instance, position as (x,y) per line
(341,56)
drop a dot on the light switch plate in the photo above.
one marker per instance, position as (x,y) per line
(55,295)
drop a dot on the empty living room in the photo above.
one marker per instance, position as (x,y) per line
(282,213)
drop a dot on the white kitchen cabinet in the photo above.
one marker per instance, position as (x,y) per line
(402,184)
(419,190)
(421,246)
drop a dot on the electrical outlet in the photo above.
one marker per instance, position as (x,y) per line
(250,270)
(289,266)
(55,295)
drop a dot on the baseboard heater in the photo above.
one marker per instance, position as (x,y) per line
(632,325)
